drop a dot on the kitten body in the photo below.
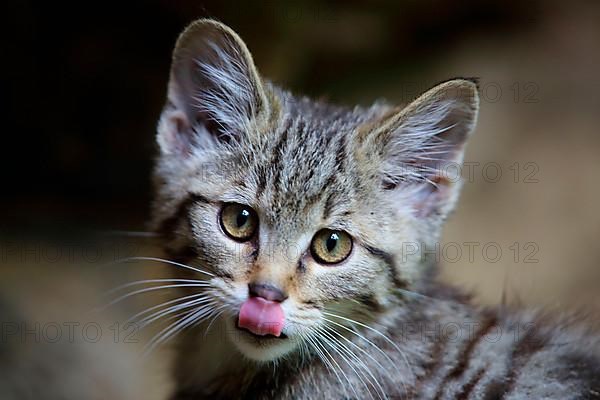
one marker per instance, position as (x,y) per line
(373,324)
(439,350)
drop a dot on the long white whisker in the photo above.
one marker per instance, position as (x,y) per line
(219,310)
(161,260)
(336,363)
(380,391)
(179,314)
(144,281)
(344,357)
(372,330)
(363,338)
(415,294)
(325,360)
(350,342)
(173,309)
(147,310)
(177,326)
(131,233)
(139,291)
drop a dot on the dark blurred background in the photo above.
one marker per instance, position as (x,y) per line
(82,86)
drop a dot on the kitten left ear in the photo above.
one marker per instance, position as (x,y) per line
(214,89)
(422,145)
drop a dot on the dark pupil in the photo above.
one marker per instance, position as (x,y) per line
(242,218)
(332,241)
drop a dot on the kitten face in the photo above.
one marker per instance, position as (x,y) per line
(300,209)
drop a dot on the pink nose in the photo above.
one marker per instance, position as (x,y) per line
(261,316)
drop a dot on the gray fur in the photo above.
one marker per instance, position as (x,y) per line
(226,135)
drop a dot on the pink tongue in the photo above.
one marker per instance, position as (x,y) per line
(261,317)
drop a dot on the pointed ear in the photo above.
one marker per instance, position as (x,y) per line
(421,147)
(214,89)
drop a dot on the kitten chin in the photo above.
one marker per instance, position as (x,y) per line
(259,348)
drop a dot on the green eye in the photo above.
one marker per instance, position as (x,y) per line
(331,247)
(239,221)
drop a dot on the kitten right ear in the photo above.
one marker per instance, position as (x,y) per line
(214,89)
(419,145)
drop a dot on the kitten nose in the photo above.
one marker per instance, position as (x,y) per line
(266,291)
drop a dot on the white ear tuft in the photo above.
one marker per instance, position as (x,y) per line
(419,144)
(214,88)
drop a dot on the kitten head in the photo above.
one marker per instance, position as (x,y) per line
(306,213)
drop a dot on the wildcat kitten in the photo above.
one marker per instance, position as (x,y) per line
(302,215)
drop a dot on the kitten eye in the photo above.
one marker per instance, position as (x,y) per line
(331,247)
(239,221)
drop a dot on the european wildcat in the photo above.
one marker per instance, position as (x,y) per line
(302,214)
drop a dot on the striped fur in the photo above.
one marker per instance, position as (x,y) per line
(228,136)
